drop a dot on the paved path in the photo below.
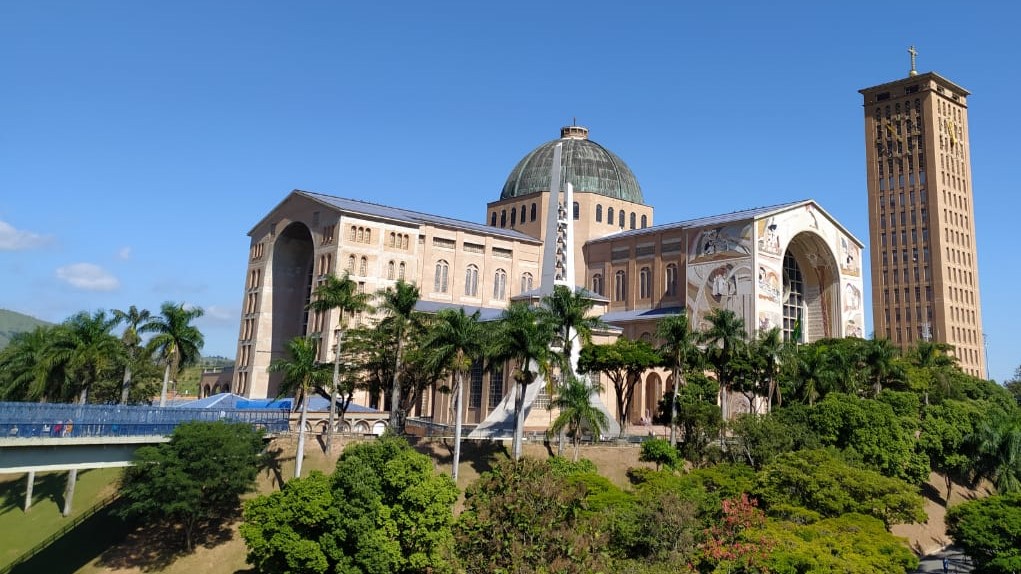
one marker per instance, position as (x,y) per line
(958,562)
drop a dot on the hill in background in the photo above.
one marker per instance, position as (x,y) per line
(12,323)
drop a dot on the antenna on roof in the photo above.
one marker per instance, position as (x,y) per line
(913,53)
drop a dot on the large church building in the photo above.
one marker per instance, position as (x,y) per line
(791,266)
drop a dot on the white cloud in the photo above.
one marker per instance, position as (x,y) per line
(221,314)
(12,239)
(124,253)
(87,276)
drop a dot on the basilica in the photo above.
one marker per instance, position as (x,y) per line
(791,266)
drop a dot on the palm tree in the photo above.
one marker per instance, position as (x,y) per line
(680,346)
(726,335)
(85,351)
(521,336)
(880,356)
(454,343)
(568,311)
(771,349)
(22,373)
(175,340)
(341,294)
(934,358)
(134,319)
(815,372)
(574,401)
(998,445)
(398,306)
(302,374)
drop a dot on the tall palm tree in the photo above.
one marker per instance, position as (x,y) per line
(880,359)
(302,374)
(815,373)
(574,401)
(679,348)
(998,446)
(935,358)
(521,336)
(772,350)
(454,343)
(133,319)
(341,294)
(567,311)
(85,350)
(175,340)
(725,337)
(398,306)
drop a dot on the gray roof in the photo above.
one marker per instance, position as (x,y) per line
(414,217)
(537,293)
(641,314)
(485,313)
(725,218)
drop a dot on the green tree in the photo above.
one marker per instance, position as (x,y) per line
(699,418)
(522,517)
(772,351)
(945,430)
(175,340)
(997,442)
(84,351)
(198,477)
(935,362)
(989,531)
(398,306)
(725,338)
(455,342)
(523,337)
(821,482)
(341,294)
(660,452)
(568,313)
(133,320)
(23,376)
(574,401)
(623,362)
(383,510)
(303,373)
(680,351)
(880,359)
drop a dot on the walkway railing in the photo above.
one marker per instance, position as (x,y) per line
(45,420)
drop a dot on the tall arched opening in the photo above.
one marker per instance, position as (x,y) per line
(811,289)
(292,290)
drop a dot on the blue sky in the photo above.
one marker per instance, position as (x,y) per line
(140,141)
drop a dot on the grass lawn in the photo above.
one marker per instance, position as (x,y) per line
(21,530)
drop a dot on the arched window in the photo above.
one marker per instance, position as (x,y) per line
(634,217)
(576,211)
(404,242)
(391,240)
(440,279)
(471,281)
(526,282)
(609,215)
(645,221)
(619,285)
(353,234)
(514,217)
(597,283)
(599,213)
(363,267)
(671,279)
(645,283)
(503,218)
(533,211)
(522,214)
(390,268)
(400,271)
(368,236)
(492,220)
(621,218)
(361,235)
(500,284)
(351,264)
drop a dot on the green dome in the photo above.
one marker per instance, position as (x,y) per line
(587,165)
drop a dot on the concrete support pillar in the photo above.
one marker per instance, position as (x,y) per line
(72,478)
(28,490)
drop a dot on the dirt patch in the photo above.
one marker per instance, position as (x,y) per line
(932,535)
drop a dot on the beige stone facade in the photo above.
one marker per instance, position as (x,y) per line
(791,266)
(921,216)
